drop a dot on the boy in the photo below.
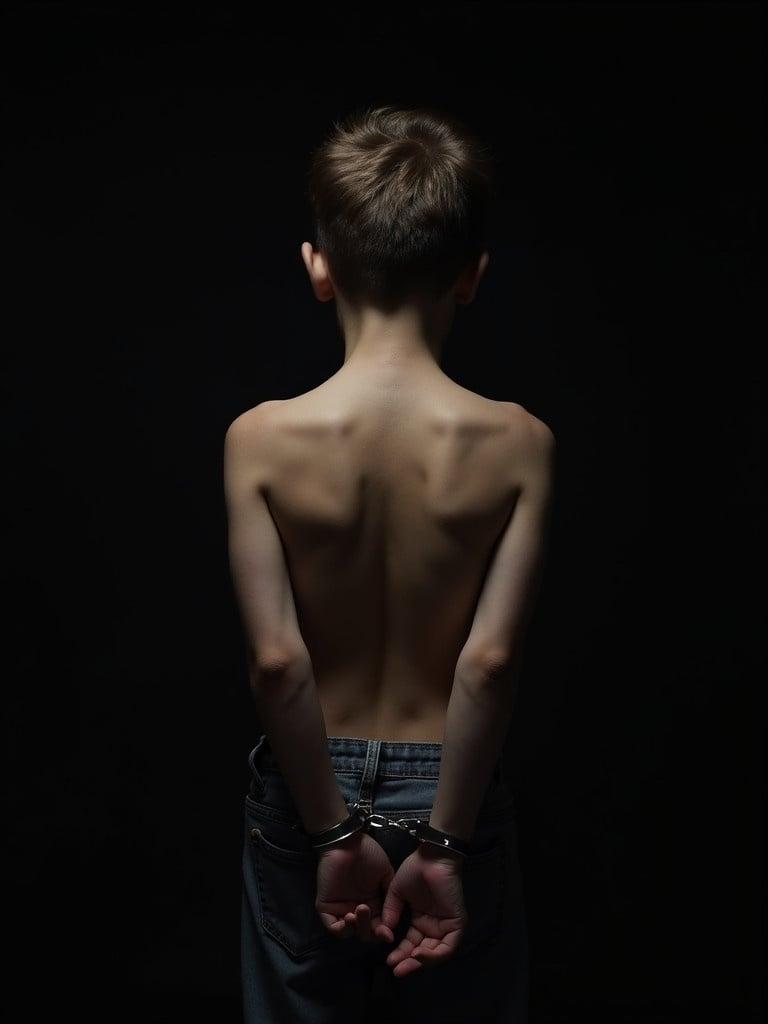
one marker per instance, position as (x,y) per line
(387,533)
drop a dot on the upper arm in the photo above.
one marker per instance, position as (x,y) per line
(510,587)
(256,558)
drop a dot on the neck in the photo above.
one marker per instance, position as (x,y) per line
(411,337)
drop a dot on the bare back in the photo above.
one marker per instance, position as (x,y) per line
(389,497)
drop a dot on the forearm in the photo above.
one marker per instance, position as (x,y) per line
(292,718)
(477,719)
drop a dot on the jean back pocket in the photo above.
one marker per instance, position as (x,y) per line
(284,866)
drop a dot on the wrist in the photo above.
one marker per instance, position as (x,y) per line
(434,852)
(347,843)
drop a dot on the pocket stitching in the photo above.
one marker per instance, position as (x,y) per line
(281,817)
(278,851)
(268,918)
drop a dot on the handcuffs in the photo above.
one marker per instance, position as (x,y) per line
(361,817)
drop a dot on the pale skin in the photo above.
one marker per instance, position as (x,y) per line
(361,517)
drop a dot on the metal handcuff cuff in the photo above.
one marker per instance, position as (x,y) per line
(361,818)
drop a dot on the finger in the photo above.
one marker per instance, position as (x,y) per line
(363,922)
(407,966)
(392,908)
(432,951)
(328,920)
(411,941)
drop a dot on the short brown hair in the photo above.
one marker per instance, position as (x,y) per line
(400,200)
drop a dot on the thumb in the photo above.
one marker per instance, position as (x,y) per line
(386,879)
(393,905)
(384,884)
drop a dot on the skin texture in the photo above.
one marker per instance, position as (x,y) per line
(359,895)
(364,518)
(388,492)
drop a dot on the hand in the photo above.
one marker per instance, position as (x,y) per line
(351,881)
(430,882)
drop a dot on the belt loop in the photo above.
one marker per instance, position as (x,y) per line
(258,785)
(370,771)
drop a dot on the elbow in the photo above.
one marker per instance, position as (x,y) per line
(486,667)
(275,666)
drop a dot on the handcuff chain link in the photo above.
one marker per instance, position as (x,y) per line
(381,820)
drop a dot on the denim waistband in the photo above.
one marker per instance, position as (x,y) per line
(389,757)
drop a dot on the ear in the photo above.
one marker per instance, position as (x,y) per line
(317,268)
(469,280)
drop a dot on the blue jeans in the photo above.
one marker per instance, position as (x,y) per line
(295,972)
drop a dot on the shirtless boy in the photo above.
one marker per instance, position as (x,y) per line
(387,529)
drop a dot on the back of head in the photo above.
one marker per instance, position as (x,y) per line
(400,199)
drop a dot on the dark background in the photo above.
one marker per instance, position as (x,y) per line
(153,210)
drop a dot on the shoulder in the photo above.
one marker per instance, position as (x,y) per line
(249,444)
(528,431)
(248,452)
(532,451)
(247,428)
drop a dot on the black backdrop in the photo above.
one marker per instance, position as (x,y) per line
(153,210)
